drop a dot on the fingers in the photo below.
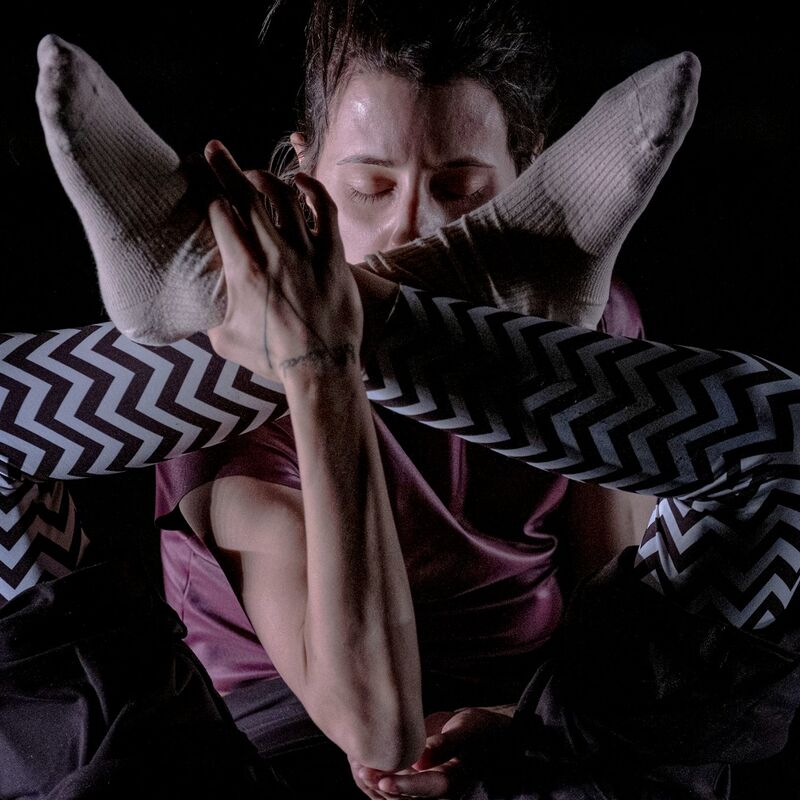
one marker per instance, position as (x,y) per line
(260,178)
(438,750)
(232,240)
(290,219)
(246,193)
(434,722)
(441,747)
(367,780)
(438,772)
(240,191)
(323,208)
(431,756)
(460,734)
(433,783)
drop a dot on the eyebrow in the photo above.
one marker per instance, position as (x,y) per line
(455,163)
(363,158)
(464,162)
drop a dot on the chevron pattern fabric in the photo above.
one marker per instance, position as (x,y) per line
(40,536)
(89,401)
(713,433)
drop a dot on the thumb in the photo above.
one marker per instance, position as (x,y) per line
(464,731)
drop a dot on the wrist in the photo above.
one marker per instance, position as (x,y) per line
(320,365)
(327,380)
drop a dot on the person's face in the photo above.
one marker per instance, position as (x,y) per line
(400,160)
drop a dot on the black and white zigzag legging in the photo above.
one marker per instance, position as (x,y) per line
(714,434)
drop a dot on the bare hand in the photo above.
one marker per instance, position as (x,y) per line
(293,307)
(445,769)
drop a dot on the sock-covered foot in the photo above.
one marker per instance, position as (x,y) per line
(546,246)
(158,266)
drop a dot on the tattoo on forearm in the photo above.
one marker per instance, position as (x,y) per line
(319,357)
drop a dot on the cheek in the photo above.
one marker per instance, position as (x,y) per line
(360,226)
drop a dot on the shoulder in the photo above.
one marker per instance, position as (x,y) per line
(266,453)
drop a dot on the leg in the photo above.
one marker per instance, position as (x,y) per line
(712,433)
(133,196)
(40,536)
(684,656)
(545,246)
(54,406)
(92,671)
(85,402)
(89,401)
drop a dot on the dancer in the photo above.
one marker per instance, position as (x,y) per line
(545,162)
(713,432)
(478,534)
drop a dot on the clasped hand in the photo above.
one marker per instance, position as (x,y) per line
(292,304)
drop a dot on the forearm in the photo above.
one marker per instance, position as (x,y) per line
(361,662)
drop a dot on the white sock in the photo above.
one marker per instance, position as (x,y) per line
(546,246)
(157,263)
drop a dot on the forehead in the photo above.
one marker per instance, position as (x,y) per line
(390,117)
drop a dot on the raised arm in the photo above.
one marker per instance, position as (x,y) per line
(322,574)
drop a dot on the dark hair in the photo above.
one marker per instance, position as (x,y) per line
(430,42)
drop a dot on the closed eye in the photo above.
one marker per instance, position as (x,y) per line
(457,197)
(465,201)
(462,188)
(366,198)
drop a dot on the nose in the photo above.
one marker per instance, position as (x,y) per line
(416,214)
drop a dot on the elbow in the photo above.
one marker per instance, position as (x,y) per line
(387,739)
(388,747)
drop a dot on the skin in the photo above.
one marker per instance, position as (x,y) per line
(338,594)
(398,161)
(321,618)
